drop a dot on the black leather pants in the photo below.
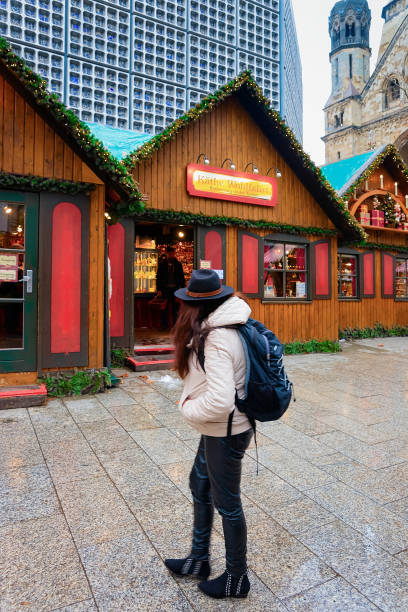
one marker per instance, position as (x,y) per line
(215,481)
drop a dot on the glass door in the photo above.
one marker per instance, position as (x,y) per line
(18,281)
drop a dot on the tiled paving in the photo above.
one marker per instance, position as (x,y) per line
(94,494)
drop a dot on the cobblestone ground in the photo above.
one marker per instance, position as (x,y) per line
(94,494)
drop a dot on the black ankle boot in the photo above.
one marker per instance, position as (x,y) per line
(226,585)
(189,567)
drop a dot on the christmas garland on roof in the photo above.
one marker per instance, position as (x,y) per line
(30,182)
(153,214)
(389,151)
(377,246)
(211,101)
(77,130)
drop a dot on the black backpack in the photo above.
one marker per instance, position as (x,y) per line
(267,389)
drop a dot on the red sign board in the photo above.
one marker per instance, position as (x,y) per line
(225,184)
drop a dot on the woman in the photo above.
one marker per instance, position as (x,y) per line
(208,405)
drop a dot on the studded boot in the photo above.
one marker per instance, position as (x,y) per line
(226,585)
(189,567)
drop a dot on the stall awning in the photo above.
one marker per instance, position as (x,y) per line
(344,173)
(118,141)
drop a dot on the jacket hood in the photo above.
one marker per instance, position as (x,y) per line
(232,312)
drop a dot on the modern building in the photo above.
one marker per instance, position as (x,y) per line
(364,110)
(139,64)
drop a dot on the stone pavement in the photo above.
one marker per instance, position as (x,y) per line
(94,494)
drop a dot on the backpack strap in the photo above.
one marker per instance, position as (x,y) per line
(230,419)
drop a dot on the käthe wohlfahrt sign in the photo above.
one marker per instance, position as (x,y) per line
(224,184)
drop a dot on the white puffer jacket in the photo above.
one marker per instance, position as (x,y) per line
(209,398)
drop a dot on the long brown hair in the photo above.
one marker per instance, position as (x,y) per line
(187,332)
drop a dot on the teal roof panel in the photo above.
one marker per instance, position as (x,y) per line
(342,172)
(118,141)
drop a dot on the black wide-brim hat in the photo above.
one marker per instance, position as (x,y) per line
(204,285)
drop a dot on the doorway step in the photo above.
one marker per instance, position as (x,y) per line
(22,396)
(153,357)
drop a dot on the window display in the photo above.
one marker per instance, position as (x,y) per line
(347,274)
(285,271)
(145,270)
(401,278)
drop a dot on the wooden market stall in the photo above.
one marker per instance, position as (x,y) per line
(54,181)
(373,275)
(261,212)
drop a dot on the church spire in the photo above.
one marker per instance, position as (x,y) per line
(349,29)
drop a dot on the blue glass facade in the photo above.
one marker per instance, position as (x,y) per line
(291,72)
(139,64)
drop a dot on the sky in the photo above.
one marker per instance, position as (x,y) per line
(311,18)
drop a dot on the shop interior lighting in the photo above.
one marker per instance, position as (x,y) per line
(278,173)
(107,215)
(232,165)
(7,210)
(180,234)
(206,160)
(254,168)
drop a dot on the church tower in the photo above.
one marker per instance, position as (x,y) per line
(349,29)
(393,14)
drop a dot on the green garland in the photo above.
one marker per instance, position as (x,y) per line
(209,103)
(378,331)
(169,216)
(30,182)
(376,245)
(69,122)
(389,151)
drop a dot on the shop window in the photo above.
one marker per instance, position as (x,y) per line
(401,278)
(347,276)
(285,274)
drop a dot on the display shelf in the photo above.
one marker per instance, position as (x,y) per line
(145,270)
(385,229)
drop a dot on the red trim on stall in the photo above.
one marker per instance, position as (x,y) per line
(24,391)
(368,275)
(322,269)
(250,264)
(116,237)
(66,279)
(213,249)
(387,275)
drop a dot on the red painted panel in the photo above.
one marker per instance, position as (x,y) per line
(322,272)
(249,264)
(66,279)
(388,274)
(116,237)
(213,249)
(368,274)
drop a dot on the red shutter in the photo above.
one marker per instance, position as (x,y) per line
(387,265)
(321,269)
(66,279)
(368,275)
(116,238)
(250,258)
(211,247)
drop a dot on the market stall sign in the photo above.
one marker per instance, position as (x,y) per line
(223,184)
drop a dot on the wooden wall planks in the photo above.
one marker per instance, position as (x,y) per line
(367,312)
(28,145)
(228,131)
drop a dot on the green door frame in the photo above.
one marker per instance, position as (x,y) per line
(25,359)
